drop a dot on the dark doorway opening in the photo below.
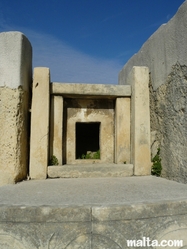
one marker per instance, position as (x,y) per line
(87,139)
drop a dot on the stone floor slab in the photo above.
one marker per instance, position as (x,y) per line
(92,212)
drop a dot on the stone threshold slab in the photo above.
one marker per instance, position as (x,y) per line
(90,170)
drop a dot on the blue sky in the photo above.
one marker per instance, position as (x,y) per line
(85,41)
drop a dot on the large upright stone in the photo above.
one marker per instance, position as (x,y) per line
(122,130)
(15,80)
(140,121)
(56,128)
(39,140)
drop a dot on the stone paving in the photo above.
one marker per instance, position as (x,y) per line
(92,191)
(91,212)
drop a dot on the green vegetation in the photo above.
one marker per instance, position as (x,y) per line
(53,161)
(91,155)
(157,166)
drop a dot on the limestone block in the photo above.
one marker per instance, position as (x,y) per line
(91,227)
(16,60)
(15,80)
(122,130)
(39,139)
(56,128)
(90,170)
(103,90)
(140,121)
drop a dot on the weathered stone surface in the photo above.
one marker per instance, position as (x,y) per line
(117,233)
(171,233)
(13,135)
(90,170)
(165,53)
(122,130)
(45,235)
(15,80)
(154,144)
(39,139)
(74,89)
(16,60)
(45,214)
(140,121)
(108,234)
(56,128)
(169,119)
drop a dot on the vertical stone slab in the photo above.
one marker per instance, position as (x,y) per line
(39,140)
(140,121)
(56,128)
(15,82)
(122,130)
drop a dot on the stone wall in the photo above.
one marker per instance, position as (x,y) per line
(165,53)
(169,120)
(15,80)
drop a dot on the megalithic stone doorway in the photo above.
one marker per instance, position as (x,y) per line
(78,119)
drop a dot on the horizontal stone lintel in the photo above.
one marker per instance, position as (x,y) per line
(90,90)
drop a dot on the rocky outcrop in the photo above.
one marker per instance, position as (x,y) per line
(169,121)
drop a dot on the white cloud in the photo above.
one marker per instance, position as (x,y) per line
(69,65)
(66,63)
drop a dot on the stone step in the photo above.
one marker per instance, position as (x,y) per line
(90,170)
